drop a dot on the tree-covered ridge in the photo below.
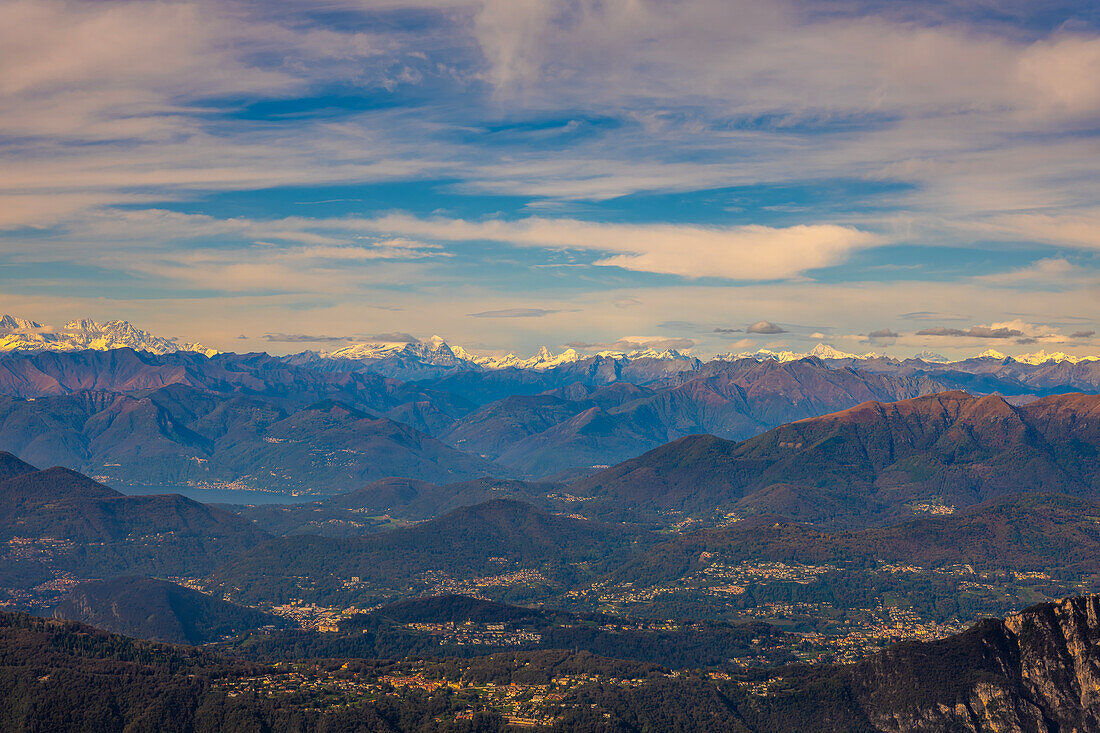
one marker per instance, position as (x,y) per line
(496,538)
(159,611)
(464,626)
(866,465)
(59,521)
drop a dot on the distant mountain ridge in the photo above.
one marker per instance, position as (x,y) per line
(208,420)
(179,435)
(197,414)
(22,335)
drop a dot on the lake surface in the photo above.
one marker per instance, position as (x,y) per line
(220,496)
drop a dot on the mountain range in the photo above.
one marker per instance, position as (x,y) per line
(874,464)
(20,334)
(207,420)
(56,524)
(870,464)
(180,435)
(506,522)
(1014,533)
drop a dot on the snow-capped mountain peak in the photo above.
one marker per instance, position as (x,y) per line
(824,351)
(931,356)
(434,351)
(13,323)
(544,359)
(821,351)
(669,354)
(1042,357)
(19,334)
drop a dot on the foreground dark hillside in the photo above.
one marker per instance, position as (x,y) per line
(1034,672)
(866,465)
(63,676)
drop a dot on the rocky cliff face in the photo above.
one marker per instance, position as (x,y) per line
(1037,671)
(1059,646)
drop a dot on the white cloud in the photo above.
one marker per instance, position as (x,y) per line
(1075,228)
(984,131)
(1046,273)
(710,93)
(765,327)
(749,57)
(738,253)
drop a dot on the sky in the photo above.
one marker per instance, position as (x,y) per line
(707,175)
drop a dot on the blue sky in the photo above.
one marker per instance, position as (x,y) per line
(591,171)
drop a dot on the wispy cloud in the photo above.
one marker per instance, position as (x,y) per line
(300,338)
(738,253)
(980,332)
(787,141)
(635,343)
(932,316)
(883,333)
(516,313)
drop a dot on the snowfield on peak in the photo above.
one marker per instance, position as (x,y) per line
(409,357)
(437,352)
(19,334)
(821,351)
(434,351)
(1042,357)
(544,359)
